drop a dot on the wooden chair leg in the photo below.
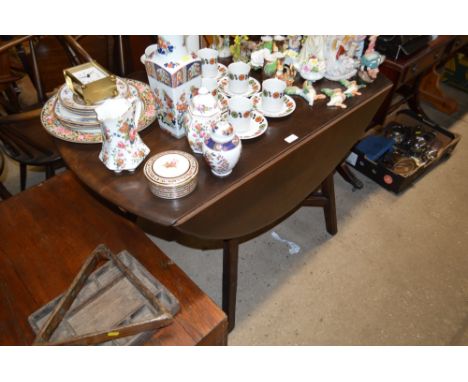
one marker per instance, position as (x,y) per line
(23,175)
(346,173)
(329,210)
(49,171)
(230,266)
(4,193)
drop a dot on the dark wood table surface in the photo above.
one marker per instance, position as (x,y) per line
(272,177)
(47,233)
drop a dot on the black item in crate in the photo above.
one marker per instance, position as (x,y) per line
(390,179)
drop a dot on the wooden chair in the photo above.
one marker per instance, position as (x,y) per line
(4,193)
(52,229)
(22,137)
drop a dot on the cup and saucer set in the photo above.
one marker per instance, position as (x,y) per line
(248,105)
(66,116)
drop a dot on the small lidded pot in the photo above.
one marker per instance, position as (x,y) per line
(222,149)
(202,115)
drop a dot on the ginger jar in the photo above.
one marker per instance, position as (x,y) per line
(203,115)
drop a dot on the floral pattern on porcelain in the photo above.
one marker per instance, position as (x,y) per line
(54,127)
(164,46)
(235,114)
(209,61)
(122,147)
(240,77)
(274,95)
(222,149)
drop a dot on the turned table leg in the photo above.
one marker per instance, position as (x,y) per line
(346,173)
(329,210)
(230,262)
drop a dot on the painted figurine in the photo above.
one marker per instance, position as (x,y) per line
(352,88)
(337,97)
(370,62)
(307,92)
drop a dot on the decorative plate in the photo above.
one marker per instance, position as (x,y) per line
(54,127)
(76,104)
(69,117)
(254,87)
(258,126)
(222,71)
(289,105)
(172,174)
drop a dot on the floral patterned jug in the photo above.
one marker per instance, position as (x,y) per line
(122,147)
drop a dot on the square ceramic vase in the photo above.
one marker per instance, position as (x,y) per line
(174,84)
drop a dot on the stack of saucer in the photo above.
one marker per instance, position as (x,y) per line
(74,114)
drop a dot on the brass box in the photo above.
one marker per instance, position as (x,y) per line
(91,82)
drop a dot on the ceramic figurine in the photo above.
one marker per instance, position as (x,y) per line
(352,88)
(202,115)
(236,48)
(222,149)
(294,43)
(337,97)
(223,46)
(173,73)
(287,75)
(310,62)
(267,42)
(279,43)
(307,92)
(340,64)
(370,62)
(257,58)
(122,147)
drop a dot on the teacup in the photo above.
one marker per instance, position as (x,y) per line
(209,61)
(238,77)
(239,113)
(211,85)
(272,94)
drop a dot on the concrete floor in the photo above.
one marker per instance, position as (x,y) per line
(395,274)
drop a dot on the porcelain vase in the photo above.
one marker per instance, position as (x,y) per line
(222,149)
(174,75)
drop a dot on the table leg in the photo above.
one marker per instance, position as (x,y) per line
(230,262)
(329,210)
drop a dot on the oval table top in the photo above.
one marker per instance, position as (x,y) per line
(271,179)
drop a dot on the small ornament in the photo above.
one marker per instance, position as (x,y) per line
(370,62)
(307,92)
(222,149)
(352,88)
(337,97)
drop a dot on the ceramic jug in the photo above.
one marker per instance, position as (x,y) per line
(203,115)
(122,147)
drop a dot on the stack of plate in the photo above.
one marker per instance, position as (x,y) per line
(67,117)
(172,174)
(73,113)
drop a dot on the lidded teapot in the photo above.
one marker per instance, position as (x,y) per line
(202,116)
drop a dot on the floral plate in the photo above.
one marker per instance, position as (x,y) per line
(254,87)
(258,125)
(289,105)
(54,127)
(76,105)
(223,102)
(222,71)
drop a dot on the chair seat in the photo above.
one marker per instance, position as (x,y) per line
(52,229)
(27,142)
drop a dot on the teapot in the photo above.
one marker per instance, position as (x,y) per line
(122,147)
(202,115)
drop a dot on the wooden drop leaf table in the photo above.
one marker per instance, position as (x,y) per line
(273,177)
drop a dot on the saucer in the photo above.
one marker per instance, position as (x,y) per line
(254,87)
(222,71)
(289,105)
(258,126)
